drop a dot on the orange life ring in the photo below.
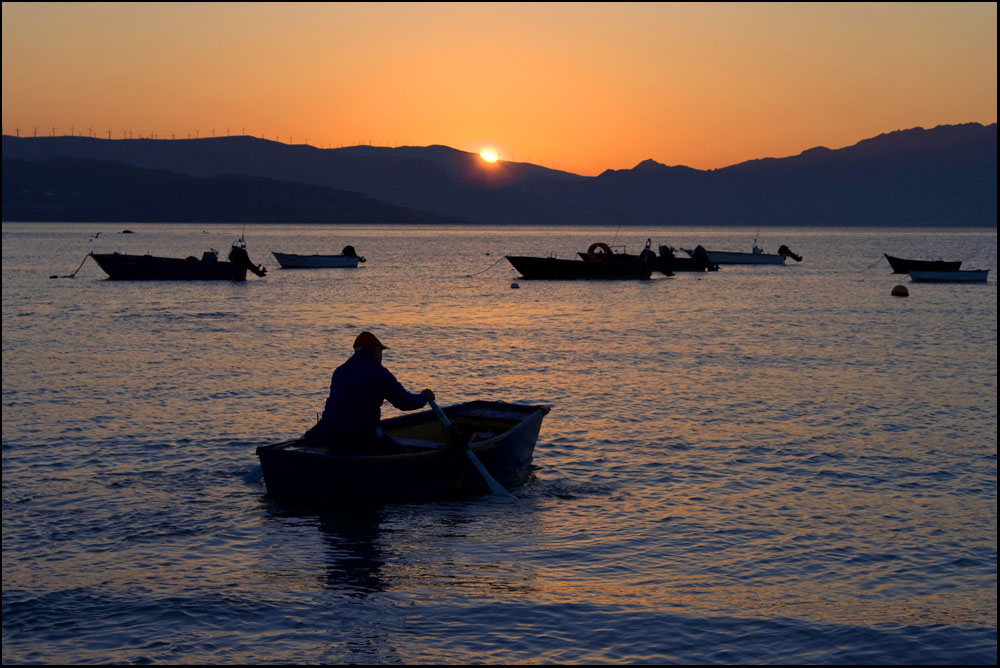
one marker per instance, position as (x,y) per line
(604,255)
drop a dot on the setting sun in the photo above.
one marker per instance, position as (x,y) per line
(489,155)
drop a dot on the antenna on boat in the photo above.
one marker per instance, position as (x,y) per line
(620,221)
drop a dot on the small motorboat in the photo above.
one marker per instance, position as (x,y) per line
(347,258)
(501,435)
(123,267)
(967,276)
(756,256)
(903,266)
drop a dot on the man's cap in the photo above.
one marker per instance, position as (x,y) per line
(368,341)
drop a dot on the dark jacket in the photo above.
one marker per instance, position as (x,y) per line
(354,409)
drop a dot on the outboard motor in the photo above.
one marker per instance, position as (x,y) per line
(350,252)
(666,260)
(241,260)
(701,259)
(786,251)
(647,256)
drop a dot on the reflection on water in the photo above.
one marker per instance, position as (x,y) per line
(353,558)
(762,464)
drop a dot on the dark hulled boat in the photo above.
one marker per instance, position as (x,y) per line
(123,267)
(501,435)
(903,266)
(666,262)
(599,262)
(555,268)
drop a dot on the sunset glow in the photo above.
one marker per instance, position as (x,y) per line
(488,155)
(579,87)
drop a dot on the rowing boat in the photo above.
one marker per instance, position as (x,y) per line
(502,436)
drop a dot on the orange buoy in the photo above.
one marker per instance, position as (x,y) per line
(594,256)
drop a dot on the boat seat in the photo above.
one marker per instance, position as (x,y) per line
(419,444)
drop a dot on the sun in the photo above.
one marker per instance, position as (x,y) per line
(489,155)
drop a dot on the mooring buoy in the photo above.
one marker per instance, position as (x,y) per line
(900,291)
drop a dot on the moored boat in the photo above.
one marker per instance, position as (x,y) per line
(966,276)
(599,262)
(124,267)
(501,435)
(904,266)
(756,256)
(347,258)
(558,269)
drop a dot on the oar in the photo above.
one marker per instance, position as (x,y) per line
(495,487)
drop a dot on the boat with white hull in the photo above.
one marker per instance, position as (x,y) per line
(757,256)
(964,276)
(348,258)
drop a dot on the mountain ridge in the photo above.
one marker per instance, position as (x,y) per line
(942,176)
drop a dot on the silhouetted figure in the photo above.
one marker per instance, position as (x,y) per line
(353,411)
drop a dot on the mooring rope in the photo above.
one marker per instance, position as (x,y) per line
(487,268)
(73,275)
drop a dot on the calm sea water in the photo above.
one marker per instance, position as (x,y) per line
(760,465)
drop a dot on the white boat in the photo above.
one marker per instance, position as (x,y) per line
(967,276)
(758,256)
(348,258)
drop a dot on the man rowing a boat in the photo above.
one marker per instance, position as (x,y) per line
(353,410)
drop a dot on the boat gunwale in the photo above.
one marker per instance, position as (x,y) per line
(320,451)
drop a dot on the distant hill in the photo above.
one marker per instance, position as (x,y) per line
(942,176)
(81,190)
(945,176)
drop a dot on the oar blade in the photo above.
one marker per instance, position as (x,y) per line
(496,488)
(459,440)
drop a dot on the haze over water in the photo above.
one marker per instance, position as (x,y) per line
(759,465)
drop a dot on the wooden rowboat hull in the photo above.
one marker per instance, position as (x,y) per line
(306,471)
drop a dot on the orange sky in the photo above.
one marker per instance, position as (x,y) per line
(580,87)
